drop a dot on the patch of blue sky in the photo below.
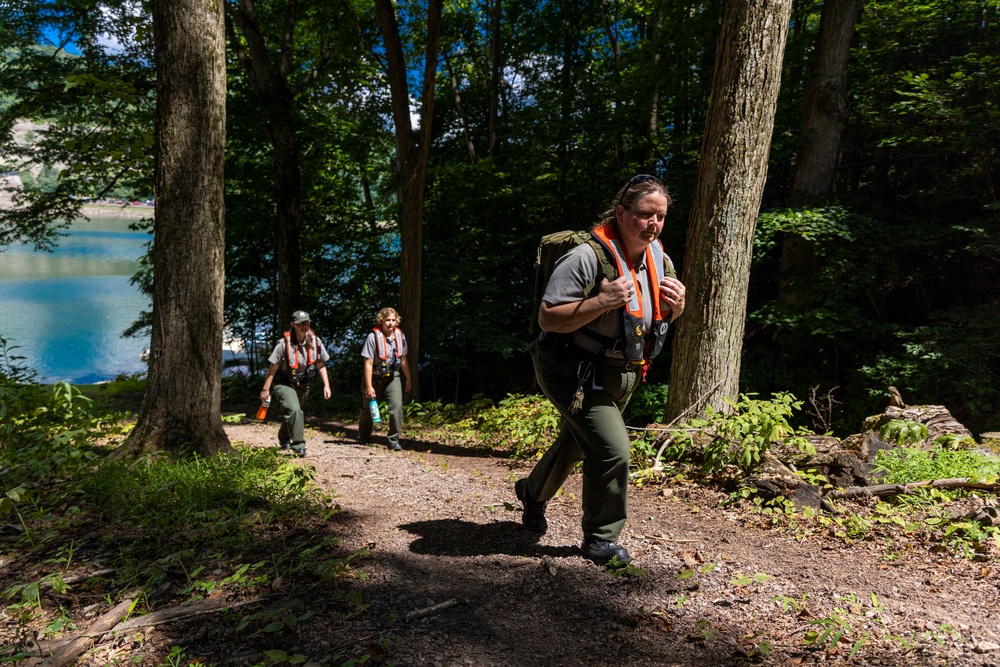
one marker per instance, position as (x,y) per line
(52,36)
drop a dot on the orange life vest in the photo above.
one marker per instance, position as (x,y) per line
(382,350)
(638,347)
(308,365)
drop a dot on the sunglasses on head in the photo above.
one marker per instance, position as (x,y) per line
(636,180)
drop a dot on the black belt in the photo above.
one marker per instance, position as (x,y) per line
(607,359)
(621,362)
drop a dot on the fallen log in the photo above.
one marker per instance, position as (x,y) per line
(76,646)
(882,490)
(196,608)
(160,617)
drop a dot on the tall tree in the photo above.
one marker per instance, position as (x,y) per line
(181,407)
(412,151)
(284,50)
(734,152)
(268,71)
(825,108)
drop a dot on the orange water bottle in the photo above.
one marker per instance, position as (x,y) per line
(262,410)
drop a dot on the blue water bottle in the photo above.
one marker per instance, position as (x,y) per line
(373,407)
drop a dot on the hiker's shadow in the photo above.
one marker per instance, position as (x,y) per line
(454,537)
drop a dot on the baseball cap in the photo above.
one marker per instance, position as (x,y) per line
(300,316)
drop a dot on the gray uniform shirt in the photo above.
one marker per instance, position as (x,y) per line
(278,355)
(393,356)
(577,269)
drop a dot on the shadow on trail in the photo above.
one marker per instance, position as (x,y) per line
(349,431)
(454,537)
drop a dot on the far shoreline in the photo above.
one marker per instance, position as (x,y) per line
(116,211)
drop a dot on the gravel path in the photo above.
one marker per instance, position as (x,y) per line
(441,523)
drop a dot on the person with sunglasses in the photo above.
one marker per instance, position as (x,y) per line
(298,357)
(598,338)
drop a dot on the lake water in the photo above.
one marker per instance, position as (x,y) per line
(66,309)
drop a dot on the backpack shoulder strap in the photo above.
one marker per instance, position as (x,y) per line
(607,267)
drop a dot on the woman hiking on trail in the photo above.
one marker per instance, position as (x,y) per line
(384,357)
(598,338)
(297,358)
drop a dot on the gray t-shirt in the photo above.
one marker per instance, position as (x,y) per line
(279,356)
(577,269)
(393,356)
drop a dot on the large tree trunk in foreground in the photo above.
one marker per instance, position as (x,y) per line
(181,408)
(706,351)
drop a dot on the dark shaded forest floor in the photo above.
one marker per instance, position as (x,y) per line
(439,526)
(715,585)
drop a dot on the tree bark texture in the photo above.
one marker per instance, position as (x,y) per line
(413,149)
(731,175)
(181,407)
(825,110)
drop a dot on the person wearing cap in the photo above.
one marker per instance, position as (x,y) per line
(598,338)
(297,358)
(384,356)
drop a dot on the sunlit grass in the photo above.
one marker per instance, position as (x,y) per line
(906,464)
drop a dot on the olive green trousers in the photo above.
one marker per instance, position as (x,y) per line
(290,399)
(389,389)
(596,435)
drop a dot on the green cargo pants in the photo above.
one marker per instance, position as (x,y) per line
(389,389)
(596,435)
(292,430)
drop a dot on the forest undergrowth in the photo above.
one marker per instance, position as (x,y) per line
(84,531)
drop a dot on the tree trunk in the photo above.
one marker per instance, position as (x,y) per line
(495,81)
(288,177)
(269,76)
(650,152)
(470,147)
(706,351)
(825,109)
(181,407)
(617,141)
(412,158)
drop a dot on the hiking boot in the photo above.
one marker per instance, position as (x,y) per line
(533,516)
(603,553)
(394,446)
(300,450)
(284,444)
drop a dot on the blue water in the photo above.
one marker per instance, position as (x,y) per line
(66,310)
